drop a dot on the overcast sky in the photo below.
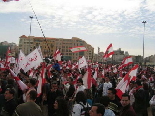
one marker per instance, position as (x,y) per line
(98,22)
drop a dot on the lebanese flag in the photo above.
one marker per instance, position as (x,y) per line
(95,74)
(9,0)
(82,62)
(78,49)
(8,58)
(22,85)
(57,56)
(41,79)
(87,80)
(48,68)
(126,61)
(103,73)
(109,51)
(123,85)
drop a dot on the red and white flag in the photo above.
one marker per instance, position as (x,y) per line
(109,51)
(9,0)
(126,61)
(95,74)
(57,56)
(21,57)
(82,62)
(123,85)
(22,85)
(8,58)
(78,49)
(32,60)
(87,79)
(41,79)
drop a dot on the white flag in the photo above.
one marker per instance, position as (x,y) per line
(82,62)
(32,60)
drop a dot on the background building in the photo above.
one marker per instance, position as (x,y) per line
(50,45)
(4,47)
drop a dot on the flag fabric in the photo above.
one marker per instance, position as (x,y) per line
(78,49)
(109,51)
(32,60)
(126,61)
(22,85)
(9,0)
(103,73)
(95,74)
(41,79)
(39,50)
(82,62)
(8,58)
(57,56)
(123,85)
(87,80)
(21,57)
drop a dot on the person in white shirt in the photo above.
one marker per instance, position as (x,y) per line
(80,105)
(152,104)
(80,85)
(106,86)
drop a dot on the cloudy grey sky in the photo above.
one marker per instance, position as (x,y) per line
(98,22)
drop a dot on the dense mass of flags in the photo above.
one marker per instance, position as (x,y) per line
(32,61)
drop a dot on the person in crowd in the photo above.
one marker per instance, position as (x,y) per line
(78,108)
(114,104)
(106,86)
(127,109)
(10,104)
(56,66)
(70,93)
(97,110)
(31,84)
(100,87)
(61,107)
(71,89)
(151,83)
(51,96)
(147,98)
(139,105)
(88,95)
(105,101)
(131,90)
(30,108)
(152,104)
(80,86)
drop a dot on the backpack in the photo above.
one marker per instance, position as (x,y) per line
(86,109)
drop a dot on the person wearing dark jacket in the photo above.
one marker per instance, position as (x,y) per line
(127,109)
(10,104)
(51,96)
(139,105)
(71,89)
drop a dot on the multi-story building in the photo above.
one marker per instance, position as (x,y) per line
(50,45)
(4,47)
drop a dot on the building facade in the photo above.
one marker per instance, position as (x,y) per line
(50,45)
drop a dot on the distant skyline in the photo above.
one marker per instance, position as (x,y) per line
(98,22)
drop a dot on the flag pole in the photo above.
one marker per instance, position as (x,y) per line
(40,26)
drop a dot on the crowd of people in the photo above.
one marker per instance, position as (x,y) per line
(64,93)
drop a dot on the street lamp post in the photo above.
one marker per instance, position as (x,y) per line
(143,40)
(31,17)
